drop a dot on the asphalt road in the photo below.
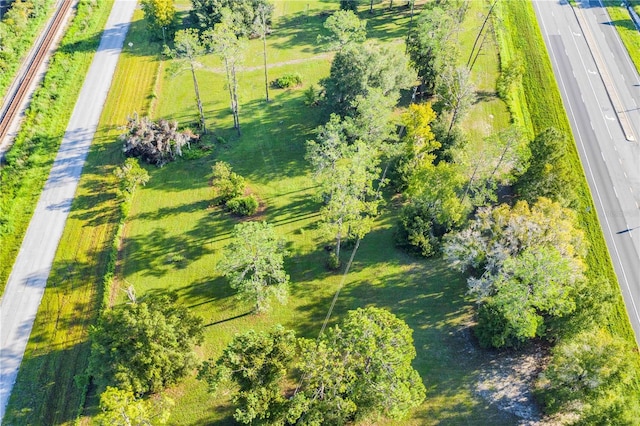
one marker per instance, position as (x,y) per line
(610,161)
(28,278)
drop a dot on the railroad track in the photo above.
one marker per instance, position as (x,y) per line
(20,90)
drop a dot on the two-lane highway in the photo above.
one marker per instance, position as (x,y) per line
(588,58)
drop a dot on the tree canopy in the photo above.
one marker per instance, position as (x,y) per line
(345,27)
(525,264)
(357,69)
(161,18)
(121,408)
(145,346)
(253,264)
(208,13)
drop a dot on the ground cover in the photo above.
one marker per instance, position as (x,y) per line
(543,104)
(45,390)
(171,219)
(628,31)
(28,162)
(20,41)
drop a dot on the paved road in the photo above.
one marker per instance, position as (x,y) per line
(610,161)
(28,278)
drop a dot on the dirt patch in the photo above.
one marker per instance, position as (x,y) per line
(506,382)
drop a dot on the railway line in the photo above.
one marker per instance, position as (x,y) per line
(19,92)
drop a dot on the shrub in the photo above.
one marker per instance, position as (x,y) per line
(226,183)
(312,95)
(333,263)
(287,80)
(243,206)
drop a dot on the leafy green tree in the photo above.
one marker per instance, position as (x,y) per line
(589,377)
(187,48)
(145,346)
(358,368)
(525,264)
(208,13)
(455,92)
(345,27)
(357,69)
(161,18)
(253,264)
(419,139)
(130,175)
(510,78)
(121,408)
(226,183)
(371,121)
(256,363)
(429,46)
(549,174)
(223,41)
(434,207)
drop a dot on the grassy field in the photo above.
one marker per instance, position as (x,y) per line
(172,216)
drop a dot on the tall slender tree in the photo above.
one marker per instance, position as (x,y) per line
(187,46)
(261,27)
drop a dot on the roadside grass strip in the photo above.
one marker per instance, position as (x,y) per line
(629,33)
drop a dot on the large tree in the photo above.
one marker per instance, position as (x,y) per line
(187,47)
(145,346)
(345,27)
(429,46)
(359,368)
(357,69)
(261,28)
(161,18)
(588,377)
(208,13)
(253,264)
(257,363)
(525,265)
(223,41)
(455,93)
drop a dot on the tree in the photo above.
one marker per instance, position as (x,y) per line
(525,264)
(455,92)
(345,27)
(208,13)
(371,121)
(156,142)
(121,408)
(359,368)
(261,27)
(548,175)
(253,264)
(256,363)
(357,69)
(224,42)
(145,346)
(187,47)
(130,175)
(419,140)
(589,376)
(161,17)
(428,45)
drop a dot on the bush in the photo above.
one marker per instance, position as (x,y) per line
(243,206)
(287,80)
(333,263)
(312,95)
(226,183)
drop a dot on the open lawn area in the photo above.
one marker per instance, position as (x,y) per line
(172,218)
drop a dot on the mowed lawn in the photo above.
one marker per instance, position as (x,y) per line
(172,217)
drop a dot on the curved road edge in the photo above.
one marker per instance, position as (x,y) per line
(28,278)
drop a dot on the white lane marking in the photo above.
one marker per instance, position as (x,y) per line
(595,185)
(609,118)
(634,102)
(592,72)
(602,154)
(619,160)
(576,34)
(625,176)
(615,192)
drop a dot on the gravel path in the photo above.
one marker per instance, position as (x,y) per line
(29,275)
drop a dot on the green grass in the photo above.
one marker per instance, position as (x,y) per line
(29,160)
(22,41)
(542,102)
(171,216)
(45,391)
(626,28)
